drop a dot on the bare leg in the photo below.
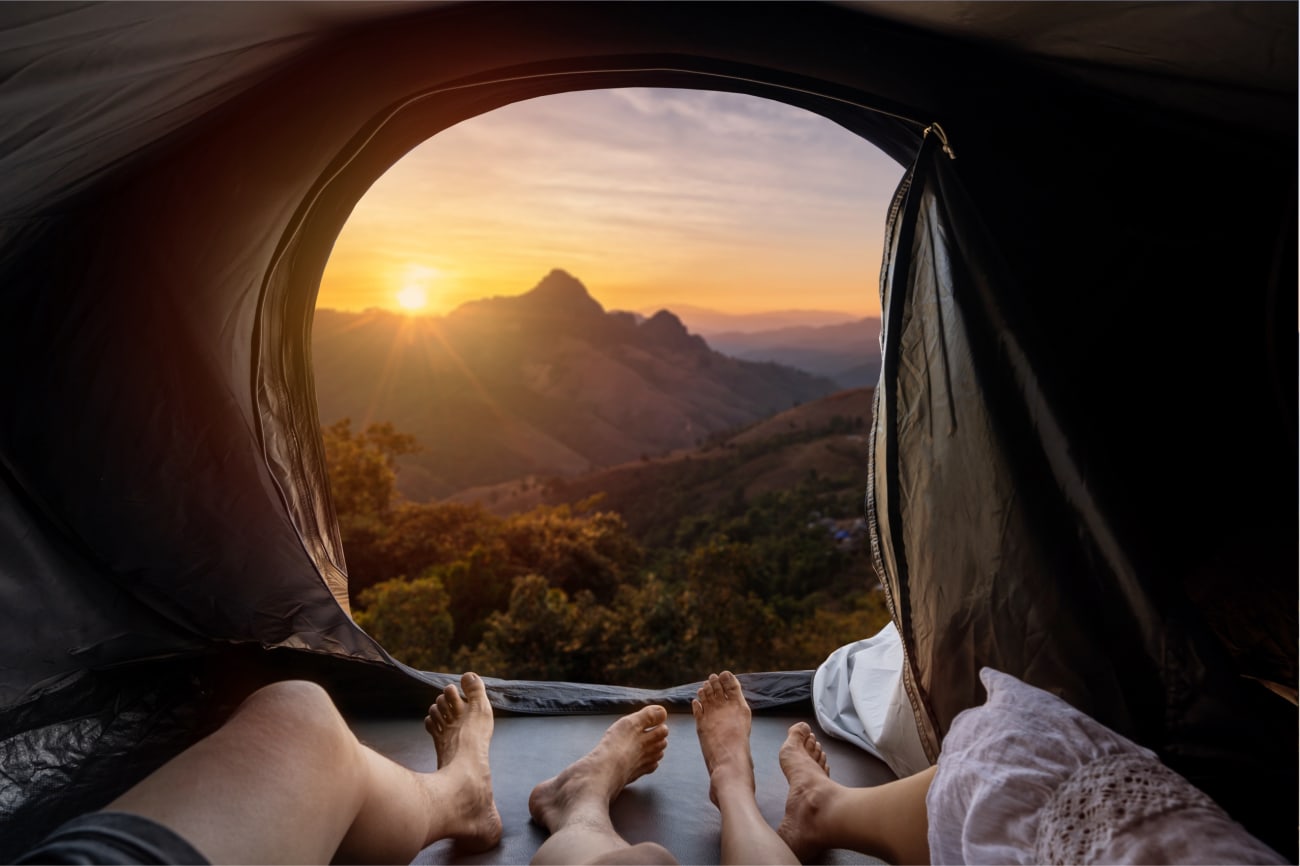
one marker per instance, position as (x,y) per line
(574,805)
(285,781)
(722,721)
(887,821)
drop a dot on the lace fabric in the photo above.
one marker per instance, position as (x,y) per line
(1027,778)
(1108,803)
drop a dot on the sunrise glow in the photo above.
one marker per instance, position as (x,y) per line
(652,197)
(412,298)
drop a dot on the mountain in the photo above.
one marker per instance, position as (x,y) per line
(848,353)
(545,383)
(704,321)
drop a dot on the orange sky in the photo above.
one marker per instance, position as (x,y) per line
(650,197)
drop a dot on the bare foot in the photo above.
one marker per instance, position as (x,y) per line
(451,713)
(630,748)
(461,728)
(806,769)
(722,722)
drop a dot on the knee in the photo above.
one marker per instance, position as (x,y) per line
(295,711)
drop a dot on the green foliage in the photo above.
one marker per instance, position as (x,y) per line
(543,635)
(825,629)
(418,536)
(792,557)
(567,592)
(410,619)
(363,473)
(363,468)
(590,552)
(728,623)
(479,584)
(644,633)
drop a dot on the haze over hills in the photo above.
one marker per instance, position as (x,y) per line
(546,383)
(704,321)
(848,352)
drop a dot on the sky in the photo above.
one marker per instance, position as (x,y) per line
(649,196)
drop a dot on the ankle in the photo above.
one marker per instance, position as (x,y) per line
(732,780)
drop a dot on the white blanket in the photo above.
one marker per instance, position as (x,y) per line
(858,695)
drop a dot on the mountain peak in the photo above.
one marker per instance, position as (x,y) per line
(560,291)
(664,322)
(665,329)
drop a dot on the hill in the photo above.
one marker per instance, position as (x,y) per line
(848,352)
(822,444)
(546,383)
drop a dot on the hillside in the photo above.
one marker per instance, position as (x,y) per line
(544,384)
(823,442)
(630,567)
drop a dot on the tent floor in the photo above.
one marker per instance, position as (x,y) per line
(670,806)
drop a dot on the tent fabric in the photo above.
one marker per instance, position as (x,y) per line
(1085,447)
(1019,530)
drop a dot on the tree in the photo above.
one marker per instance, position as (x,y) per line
(565,592)
(534,637)
(727,626)
(807,642)
(410,619)
(478,584)
(644,636)
(363,467)
(574,552)
(362,471)
(419,536)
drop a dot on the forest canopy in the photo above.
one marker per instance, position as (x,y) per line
(570,592)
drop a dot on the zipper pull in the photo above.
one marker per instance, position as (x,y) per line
(943,138)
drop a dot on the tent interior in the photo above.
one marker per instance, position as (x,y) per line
(1084,446)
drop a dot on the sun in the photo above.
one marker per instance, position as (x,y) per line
(412,297)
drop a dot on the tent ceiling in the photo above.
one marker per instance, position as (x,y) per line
(82,87)
(1239,44)
(158,66)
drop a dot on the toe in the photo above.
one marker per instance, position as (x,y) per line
(453,698)
(474,687)
(650,717)
(730,685)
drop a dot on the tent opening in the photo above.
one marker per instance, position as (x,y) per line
(595,375)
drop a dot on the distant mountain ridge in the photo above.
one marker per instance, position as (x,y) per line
(705,321)
(848,353)
(544,383)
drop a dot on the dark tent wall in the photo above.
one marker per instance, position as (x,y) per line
(1020,533)
(1085,453)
